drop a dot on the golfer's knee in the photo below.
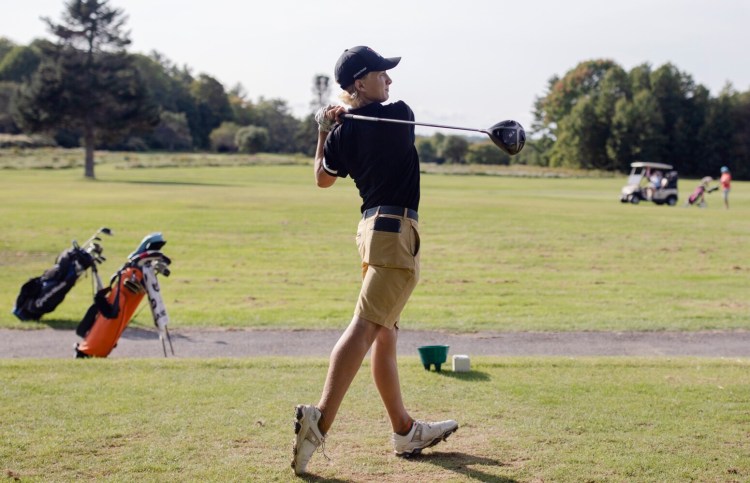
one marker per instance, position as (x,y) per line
(366,328)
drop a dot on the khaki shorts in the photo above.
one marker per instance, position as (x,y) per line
(389,248)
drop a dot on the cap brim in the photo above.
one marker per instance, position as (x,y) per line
(389,63)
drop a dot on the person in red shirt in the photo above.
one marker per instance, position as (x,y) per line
(726,183)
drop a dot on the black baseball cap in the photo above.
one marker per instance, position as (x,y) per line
(354,63)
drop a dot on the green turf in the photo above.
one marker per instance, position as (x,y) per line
(258,245)
(544,419)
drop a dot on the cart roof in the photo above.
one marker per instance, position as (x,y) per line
(646,164)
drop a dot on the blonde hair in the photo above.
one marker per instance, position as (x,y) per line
(349,95)
(346,97)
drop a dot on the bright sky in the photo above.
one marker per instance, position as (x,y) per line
(467,63)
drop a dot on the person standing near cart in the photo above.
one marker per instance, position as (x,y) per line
(383,162)
(726,184)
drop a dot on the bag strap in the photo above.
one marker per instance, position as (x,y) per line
(109,311)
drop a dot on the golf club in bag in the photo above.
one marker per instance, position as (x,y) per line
(114,306)
(41,295)
(507,135)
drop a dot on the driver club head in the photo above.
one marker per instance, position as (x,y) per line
(508,136)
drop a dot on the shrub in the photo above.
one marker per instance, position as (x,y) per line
(252,139)
(486,153)
(222,138)
(172,133)
(24,141)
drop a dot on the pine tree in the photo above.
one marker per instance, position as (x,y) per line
(87,82)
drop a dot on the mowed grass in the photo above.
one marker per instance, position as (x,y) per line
(258,245)
(544,419)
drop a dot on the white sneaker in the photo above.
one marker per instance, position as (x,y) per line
(422,435)
(309,437)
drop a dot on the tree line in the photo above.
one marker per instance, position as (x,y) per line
(85,89)
(600,116)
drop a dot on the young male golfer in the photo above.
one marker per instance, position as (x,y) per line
(383,162)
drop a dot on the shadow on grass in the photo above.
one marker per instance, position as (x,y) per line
(142,333)
(167,183)
(466,376)
(132,332)
(464,464)
(313,478)
(57,324)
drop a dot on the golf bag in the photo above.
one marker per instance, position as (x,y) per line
(698,195)
(114,306)
(41,295)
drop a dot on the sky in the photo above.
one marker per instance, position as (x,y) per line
(467,63)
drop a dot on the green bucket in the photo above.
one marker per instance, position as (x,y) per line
(433,355)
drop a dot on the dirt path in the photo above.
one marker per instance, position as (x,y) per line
(50,343)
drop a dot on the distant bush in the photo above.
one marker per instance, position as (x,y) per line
(252,139)
(222,138)
(25,141)
(486,153)
(426,150)
(172,133)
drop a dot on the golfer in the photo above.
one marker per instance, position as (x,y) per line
(383,162)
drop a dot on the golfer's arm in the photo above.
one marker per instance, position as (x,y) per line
(323,179)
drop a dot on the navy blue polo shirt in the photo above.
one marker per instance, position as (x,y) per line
(379,156)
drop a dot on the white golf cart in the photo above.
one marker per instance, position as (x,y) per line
(655,182)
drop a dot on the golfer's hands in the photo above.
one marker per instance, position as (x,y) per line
(328,116)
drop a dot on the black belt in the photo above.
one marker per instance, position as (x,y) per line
(391,210)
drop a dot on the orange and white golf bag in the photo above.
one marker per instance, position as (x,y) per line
(115,305)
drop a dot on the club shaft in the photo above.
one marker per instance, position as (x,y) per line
(413,123)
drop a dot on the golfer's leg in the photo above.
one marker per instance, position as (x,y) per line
(385,374)
(346,359)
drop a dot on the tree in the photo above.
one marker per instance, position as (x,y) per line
(170,89)
(562,95)
(739,156)
(486,153)
(283,128)
(426,150)
(87,82)
(683,106)
(172,133)
(252,139)
(19,64)
(7,91)
(306,137)
(454,149)
(6,45)
(575,146)
(575,113)
(212,108)
(242,108)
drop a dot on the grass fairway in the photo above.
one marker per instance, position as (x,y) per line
(261,246)
(544,419)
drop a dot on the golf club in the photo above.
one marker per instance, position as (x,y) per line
(507,135)
(95,236)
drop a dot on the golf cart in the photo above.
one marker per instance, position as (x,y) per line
(655,182)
